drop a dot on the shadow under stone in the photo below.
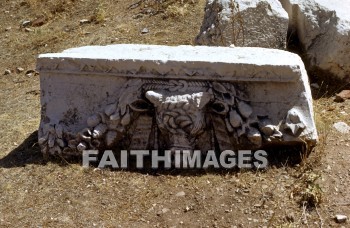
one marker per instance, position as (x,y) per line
(26,153)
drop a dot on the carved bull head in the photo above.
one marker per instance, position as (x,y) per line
(180,117)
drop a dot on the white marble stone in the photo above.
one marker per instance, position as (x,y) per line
(115,97)
(253,23)
(323,29)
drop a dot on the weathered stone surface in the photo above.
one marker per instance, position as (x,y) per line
(341,218)
(342,127)
(323,29)
(244,23)
(160,97)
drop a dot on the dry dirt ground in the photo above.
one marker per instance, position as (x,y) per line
(51,193)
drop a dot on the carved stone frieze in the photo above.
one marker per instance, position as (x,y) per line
(184,112)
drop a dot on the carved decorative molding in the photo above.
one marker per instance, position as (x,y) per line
(172,114)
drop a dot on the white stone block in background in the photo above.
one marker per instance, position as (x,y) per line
(252,23)
(323,29)
(160,97)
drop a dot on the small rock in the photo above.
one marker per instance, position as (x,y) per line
(315,86)
(165,210)
(84,21)
(341,218)
(39,21)
(144,31)
(342,96)
(180,194)
(26,23)
(342,127)
(8,29)
(188,208)
(30,73)
(19,70)
(7,72)
(28,30)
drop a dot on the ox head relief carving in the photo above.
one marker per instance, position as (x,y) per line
(180,116)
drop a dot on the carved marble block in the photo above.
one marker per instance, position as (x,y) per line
(124,97)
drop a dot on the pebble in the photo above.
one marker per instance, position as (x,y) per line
(341,218)
(144,31)
(7,72)
(84,21)
(8,29)
(342,127)
(19,70)
(163,211)
(180,194)
(26,23)
(28,30)
(342,96)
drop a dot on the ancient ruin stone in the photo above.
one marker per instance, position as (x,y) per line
(252,23)
(323,30)
(159,97)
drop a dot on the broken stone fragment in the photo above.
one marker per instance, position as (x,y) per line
(7,72)
(19,70)
(26,23)
(84,21)
(341,218)
(322,27)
